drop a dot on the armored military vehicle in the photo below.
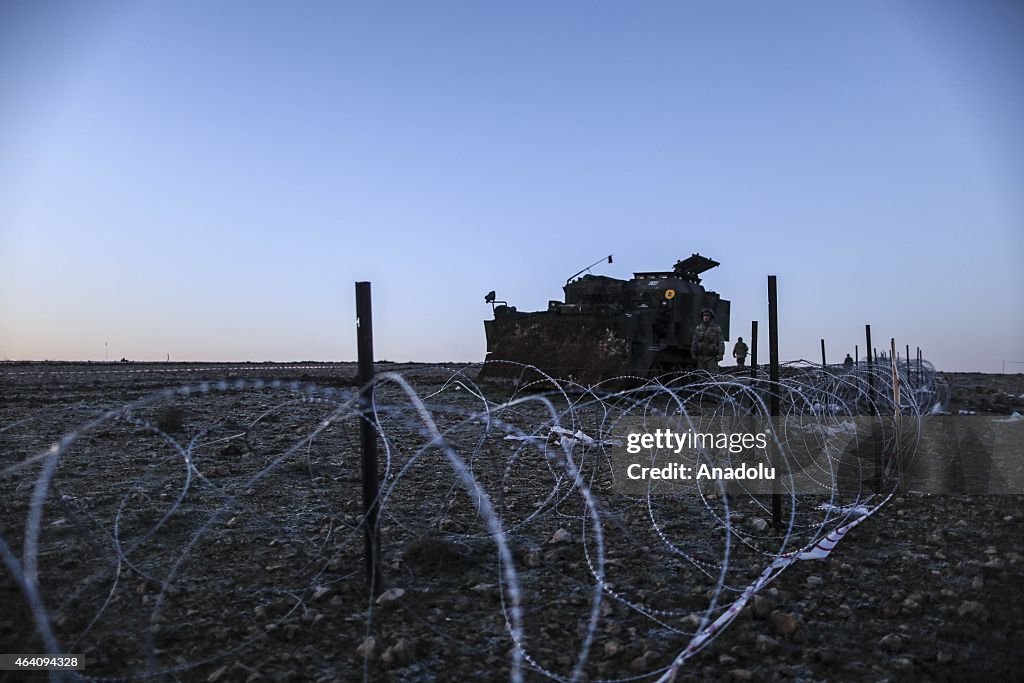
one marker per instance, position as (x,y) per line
(606,327)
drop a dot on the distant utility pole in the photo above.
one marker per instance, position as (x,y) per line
(106,356)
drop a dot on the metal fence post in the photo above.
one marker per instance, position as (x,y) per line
(368,436)
(773,358)
(753,348)
(908,365)
(871,406)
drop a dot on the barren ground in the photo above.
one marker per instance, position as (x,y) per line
(229,548)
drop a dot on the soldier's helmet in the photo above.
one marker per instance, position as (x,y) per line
(708,311)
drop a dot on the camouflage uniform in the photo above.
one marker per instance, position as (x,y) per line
(739,352)
(708,346)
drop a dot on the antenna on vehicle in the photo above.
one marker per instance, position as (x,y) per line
(490,297)
(609,257)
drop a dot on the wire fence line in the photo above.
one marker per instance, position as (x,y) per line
(233,505)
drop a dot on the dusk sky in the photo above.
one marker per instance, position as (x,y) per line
(208,180)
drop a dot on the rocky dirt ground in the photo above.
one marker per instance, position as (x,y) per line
(230,549)
(1003,394)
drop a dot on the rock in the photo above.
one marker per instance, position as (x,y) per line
(903,665)
(612,648)
(971,609)
(639,664)
(368,648)
(693,620)
(402,652)
(814,581)
(784,624)
(761,606)
(561,536)
(911,606)
(533,558)
(766,644)
(944,657)
(562,552)
(217,675)
(726,660)
(891,642)
(759,524)
(390,595)
(994,566)
(741,675)
(448,524)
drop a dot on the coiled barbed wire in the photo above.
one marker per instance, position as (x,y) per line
(505,473)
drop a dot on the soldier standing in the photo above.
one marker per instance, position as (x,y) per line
(739,352)
(708,346)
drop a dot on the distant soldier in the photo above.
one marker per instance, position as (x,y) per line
(708,346)
(739,352)
(848,363)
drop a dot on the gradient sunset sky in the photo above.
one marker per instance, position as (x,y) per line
(207,180)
